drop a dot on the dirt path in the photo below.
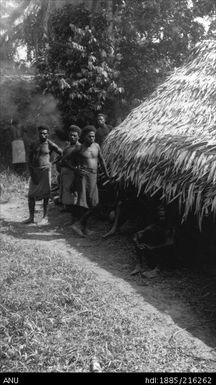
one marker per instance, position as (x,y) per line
(179,301)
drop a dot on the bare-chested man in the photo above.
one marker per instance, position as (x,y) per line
(102,129)
(40,173)
(89,156)
(67,172)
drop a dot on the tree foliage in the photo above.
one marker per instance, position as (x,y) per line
(155,37)
(93,62)
(77,65)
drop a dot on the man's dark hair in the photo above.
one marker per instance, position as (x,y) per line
(88,129)
(43,127)
(103,115)
(74,128)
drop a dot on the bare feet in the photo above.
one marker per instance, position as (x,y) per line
(107,235)
(68,223)
(77,231)
(152,273)
(28,221)
(137,270)
(88,232)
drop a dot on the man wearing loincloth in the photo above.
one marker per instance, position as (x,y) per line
(40,172)
(88,156)
(68,194)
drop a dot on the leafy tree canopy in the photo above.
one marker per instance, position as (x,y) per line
(107,60)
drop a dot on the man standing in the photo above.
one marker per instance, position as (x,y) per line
(68,194)
(88,157)
(102,129)
(40,173)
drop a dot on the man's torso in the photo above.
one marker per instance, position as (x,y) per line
(70,154)
(101,134)
(41,153)
(89,156)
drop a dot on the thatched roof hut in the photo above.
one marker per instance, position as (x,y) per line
(168,143)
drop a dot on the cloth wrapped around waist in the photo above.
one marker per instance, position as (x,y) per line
(67,187)
(86,170)
(40,182)
(37,172)
(86,186)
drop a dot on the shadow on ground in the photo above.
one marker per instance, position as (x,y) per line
(185,293)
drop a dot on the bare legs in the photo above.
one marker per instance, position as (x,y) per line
(31,206)
(116,221)
(80,226)
(45,207)
(44,220)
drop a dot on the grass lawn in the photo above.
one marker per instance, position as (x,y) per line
(57,315)
(11,184)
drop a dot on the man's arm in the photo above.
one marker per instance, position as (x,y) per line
(55,148)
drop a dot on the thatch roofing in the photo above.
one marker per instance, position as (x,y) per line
(168,143)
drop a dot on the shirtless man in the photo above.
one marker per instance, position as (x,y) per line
(102,129)
(40,173)
(67,172)
(88,156)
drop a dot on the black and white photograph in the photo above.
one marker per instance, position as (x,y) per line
(108,190)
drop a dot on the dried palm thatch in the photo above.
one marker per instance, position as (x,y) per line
(168,143)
